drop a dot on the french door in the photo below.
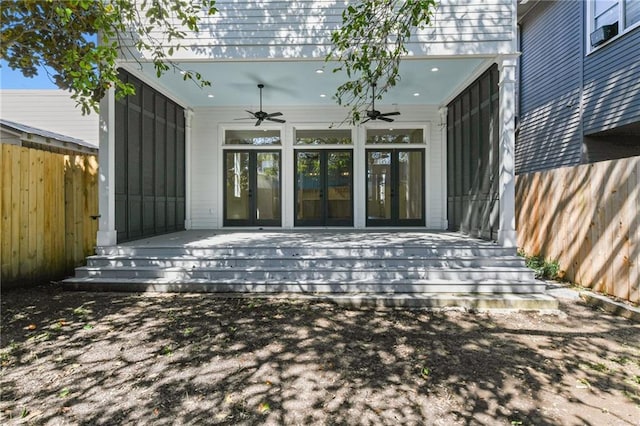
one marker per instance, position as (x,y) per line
(324,188)
(395,187)
(252,188)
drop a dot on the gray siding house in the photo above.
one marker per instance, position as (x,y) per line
(579,92)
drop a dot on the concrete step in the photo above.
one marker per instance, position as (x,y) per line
(332,274)
(294,251)
(302,262)
(310,286)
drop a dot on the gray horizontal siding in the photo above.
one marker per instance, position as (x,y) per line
(551,75)
(612,84)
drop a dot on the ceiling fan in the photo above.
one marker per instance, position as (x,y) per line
(374,114)
(260,115)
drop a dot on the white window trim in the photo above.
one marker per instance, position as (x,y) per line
(590,27)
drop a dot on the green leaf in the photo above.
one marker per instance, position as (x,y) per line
(370,45)
(61,36)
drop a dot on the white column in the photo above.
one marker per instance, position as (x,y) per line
(507,222)
(358,136)
(287,177)
(107,235)
(188,115)
(443,111)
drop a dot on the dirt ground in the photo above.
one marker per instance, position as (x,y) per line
(104,358)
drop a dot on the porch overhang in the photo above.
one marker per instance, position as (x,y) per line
(306,82)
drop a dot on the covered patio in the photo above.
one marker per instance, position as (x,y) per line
(175,156)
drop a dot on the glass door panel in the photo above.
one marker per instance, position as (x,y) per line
(252,188)
(411,186)
(268,186)
(309,208)
(339,187)
(324,188)
(395,187)
(237,186)
(379,185)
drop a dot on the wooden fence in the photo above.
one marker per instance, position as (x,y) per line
(588,219)
(47,202)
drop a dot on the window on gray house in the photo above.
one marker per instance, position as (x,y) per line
(632,12)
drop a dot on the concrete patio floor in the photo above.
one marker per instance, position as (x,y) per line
(310,238)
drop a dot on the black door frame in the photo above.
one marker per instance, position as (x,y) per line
(395,181)
(253,186)
(324,190)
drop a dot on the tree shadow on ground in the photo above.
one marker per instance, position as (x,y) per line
(188,359)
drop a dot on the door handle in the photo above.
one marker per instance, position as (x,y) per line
(320,194)
(249,193)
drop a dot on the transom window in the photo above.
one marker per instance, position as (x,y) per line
(323,137)
(395,136)
(623,15)
(252,137)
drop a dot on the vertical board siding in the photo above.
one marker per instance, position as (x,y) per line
(551,74)
(47,203)
(611,84)
(586,218)
(472,155)
(150,164)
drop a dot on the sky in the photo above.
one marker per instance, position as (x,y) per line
(13,79)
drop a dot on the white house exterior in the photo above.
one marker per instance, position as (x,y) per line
(282,44)
(53,110)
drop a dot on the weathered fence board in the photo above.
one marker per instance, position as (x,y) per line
(586,218)
(47,203)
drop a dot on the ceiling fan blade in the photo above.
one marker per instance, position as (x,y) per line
(252,113)
(245,118)
(258,122)
(274,114)
(390,113)
(388,120)
(277,120)
(365,121)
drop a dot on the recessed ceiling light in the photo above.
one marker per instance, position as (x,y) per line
(183,72)
(210,95)
(416,94)
(322,95)
(319,71)
(435,69)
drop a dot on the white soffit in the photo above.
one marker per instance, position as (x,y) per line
(291,83)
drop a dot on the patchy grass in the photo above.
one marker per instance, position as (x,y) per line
(544,269)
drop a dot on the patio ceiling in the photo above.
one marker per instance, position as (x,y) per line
(298,83)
